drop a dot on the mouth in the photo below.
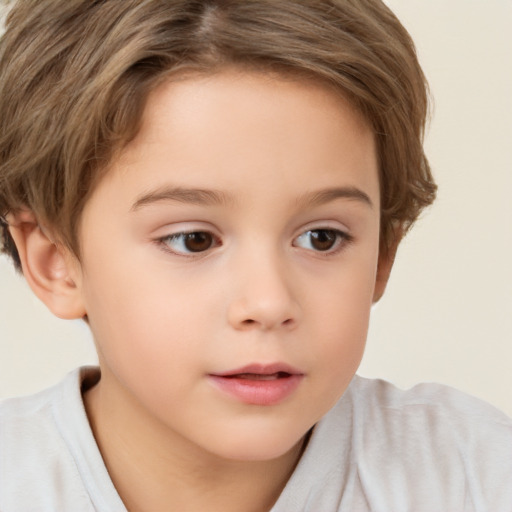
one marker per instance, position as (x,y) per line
(261,372)
(259,384)
(259,376)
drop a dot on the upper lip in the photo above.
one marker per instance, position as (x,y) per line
(261,369)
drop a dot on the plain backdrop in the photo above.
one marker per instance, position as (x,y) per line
(447,313)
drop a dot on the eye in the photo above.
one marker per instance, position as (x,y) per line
(321,240)
(192,242)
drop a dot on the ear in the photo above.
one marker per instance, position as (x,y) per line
(49,268)
(385,264)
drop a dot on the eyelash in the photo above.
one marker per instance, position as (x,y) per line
(342,239)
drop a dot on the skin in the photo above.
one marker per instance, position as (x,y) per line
(263,291)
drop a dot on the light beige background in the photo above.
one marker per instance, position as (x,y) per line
(447,314)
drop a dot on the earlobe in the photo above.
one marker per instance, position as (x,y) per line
(49,268)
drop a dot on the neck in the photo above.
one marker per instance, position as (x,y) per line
(154,469)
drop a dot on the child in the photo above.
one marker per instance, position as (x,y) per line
(218,189)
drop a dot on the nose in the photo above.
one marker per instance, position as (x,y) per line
(263,295)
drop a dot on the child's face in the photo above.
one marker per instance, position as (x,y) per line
(275,182)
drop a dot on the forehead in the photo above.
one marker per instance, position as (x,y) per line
(248,99)
(237,130)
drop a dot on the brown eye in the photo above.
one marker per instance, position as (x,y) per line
(186,243)
(321,240)
(198,241)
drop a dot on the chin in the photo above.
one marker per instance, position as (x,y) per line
(259,448)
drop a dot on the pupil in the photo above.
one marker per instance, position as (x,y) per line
(323,240)
(197,242)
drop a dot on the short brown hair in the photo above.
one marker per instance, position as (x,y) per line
(75,75)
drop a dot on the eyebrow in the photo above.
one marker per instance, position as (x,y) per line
(327,195)
(208,197)
(199,196)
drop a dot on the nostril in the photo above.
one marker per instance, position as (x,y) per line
(250,322)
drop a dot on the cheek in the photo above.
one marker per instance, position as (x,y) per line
(141,319)
(341,316)
(149,342)
(340,333)
(342,301)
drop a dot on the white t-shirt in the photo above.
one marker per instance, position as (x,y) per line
(380,449)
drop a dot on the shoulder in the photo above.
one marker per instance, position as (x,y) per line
(36,460)
(426,449)
(433,408)
(434,440)
(24,420)
(434,419)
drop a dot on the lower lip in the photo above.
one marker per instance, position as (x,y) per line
(258,392)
